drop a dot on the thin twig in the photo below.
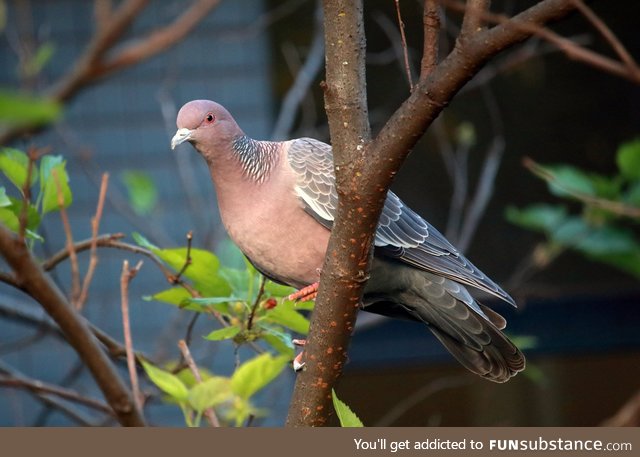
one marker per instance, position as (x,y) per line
(615,207)
(63,254)
(263,280)
(73,258)
(608,35)
(570,49)
(209,413)
(405,50)
(26,194)
(187,259)
(303,80)
(473,17)
(44,388)
(126,277)
(95,225)
(32,280)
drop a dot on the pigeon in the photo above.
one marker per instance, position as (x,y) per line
(277,202)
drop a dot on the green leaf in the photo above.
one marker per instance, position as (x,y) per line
(9,220)
(15,165)
(568,180)
(631,195)
(16,108)
(54,180)
(210,393)
(608,240)
(4,200)
(141,190)
(524,342)
(39,60)
(173,296)
(628,159)
(279,341)
(256,373)
(167,382)
(243,283)
(629,262)
(224,333)
(539,217)
(277,290)
(143,242)
(284,314)
(347,417)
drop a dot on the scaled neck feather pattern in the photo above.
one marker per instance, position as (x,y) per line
(257,158)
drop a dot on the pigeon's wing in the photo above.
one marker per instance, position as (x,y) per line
(402,234)
(312,161)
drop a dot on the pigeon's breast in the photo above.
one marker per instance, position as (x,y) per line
(269,224)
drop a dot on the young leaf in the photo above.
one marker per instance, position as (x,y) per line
(141,190)
(167,382)
(209,393)
(9,220)
(628,159)
(15,165)
(277,290)
(347,417)
(541,217)
(284,314)
(223,333)
(4,200)
(256,373)
(54,180)
(569,180)
(279,341)
(18,108)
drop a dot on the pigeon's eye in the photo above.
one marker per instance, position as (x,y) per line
(209,118)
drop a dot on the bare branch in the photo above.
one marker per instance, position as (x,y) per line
(44,388)
(628,415)
(405,50)
(431,26)
(608,35)
(300,88)
(62,255)
(473,17)
(571,49)
(160,39)
(125,279)
(95,62)
(209,413)
(34,282)
(73,258)
(95,226)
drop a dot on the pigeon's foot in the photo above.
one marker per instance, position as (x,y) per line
(298,364)
(306,293)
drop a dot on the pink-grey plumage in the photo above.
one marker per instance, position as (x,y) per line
(277,201)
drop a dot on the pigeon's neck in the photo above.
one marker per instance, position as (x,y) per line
(257,158)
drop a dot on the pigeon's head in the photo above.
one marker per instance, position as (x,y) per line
(205,124)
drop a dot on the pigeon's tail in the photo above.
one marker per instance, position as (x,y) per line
(469,330)
(497,360)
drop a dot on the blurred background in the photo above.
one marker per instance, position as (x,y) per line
(514,172)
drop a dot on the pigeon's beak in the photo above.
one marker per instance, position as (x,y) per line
(180,137)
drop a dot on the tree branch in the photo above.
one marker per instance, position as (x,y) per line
(334,317)
(34,282)
(431,25)
(95,62)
